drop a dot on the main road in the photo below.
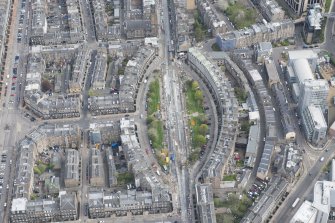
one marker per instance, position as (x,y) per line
(175,123)
(304,187)
(12,123)
(329,43)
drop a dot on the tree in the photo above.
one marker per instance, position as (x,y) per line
(198,96)
(245,126)
(194,156)
(203,128)
(91,93)
(46,85)
(152,133)
(199,35)
(195,85)
(199,140)
(150,119)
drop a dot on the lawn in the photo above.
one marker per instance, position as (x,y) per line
(224,218)
(229,177)
(153,97)
(238,207)
(155,126)
(42,167)
(194,98)
(327,5)
(240,15)
(125,178)
(156,133)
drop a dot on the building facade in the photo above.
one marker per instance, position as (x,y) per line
(268,32)
(300,6)
(313,23)
(314,92)
(72,168)
(314,124)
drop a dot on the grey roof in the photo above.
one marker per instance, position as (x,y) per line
(72,164)
(95,137)
(205,203)
(97,165)
(253,140)
(267,202)
(271,71)
(138,24)
(68,201)
(281,99)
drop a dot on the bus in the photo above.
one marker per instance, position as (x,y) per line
(295,202)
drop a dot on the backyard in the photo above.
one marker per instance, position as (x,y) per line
(237,206)
(240,15)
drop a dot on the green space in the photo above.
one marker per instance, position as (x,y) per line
(332,58)
(321,37)
(109,9)
(154,123)
(327,5)
(198,119)
(153,97)
(240,163)
(194,98)
(33,196)
(125,178)
(240,15)
(200,31)
(215,47)
(229,177)
(241,95)
(327,167)
(123,67)
(281,43)
(41,167)
(237,206)
(155,132)
(224,218)
(245,126)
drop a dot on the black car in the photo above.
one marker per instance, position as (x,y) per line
(32,119)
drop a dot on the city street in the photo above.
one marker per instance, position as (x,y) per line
(304,186)
(174,109)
